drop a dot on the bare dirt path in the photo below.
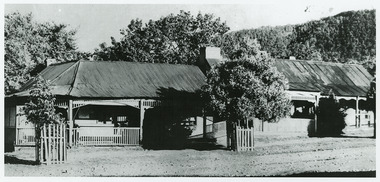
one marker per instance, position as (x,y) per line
(274,155)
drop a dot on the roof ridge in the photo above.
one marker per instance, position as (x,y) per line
(60,63)
(322,62)
(75,78)
(132,62)
(43,71)
(64,71)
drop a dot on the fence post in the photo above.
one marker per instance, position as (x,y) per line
(45,144)
(36,147)
(238,140)
(65,142)
(41,146)
(253,138)
(71,122)
(60,143)
(49,144)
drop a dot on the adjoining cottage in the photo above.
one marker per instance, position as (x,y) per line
(105,101)
(310,80)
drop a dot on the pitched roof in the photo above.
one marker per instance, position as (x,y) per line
(119,79)
(342,79)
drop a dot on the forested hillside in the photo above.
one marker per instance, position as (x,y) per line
(348,37)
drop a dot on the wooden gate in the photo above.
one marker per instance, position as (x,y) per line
(53,148)
(244,139)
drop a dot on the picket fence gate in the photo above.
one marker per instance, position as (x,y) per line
(244,139)
(53,145)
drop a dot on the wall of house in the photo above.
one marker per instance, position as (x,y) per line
(366,117)
(198,127)
(9,126)
(285,125)
(10,116)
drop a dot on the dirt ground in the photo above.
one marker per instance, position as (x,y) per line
(274,155)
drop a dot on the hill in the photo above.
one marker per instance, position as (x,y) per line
(348,37)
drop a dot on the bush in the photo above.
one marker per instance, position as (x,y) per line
(163,130)
(330,117)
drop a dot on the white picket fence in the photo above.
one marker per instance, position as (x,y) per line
(106,136)
(53,148)
(88,136)
(244,139)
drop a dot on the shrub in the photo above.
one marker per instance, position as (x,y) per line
(330,117)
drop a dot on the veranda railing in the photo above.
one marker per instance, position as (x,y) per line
(88,136)
(106,136)
(25,136)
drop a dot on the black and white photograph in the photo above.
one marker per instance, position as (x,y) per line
(199,90)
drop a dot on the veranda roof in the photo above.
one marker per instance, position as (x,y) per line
(341,79)
(119,79)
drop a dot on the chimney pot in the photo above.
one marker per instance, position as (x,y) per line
(209,57)
(48,62)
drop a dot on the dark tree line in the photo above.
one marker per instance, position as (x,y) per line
(348,37)
(28,44)
(174,39)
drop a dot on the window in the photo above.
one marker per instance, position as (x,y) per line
(85,112)
(302,109)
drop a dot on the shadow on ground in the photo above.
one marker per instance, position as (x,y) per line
(334,174)
(199,144)
(202,144)
(15,160)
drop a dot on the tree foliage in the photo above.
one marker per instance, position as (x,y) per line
(340,38)
(348,37)
(174,39)
(273,40)
(330,117)
(247,86)
(40,108)
(29,43)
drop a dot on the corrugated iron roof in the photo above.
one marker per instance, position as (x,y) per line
(342,79)
(119,79)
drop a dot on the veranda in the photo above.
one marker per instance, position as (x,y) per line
(99,122)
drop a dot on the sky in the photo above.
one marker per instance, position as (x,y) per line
(96,23)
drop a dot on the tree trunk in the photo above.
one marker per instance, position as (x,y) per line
(233,137)
(230,135)
(37,135)
(374,119)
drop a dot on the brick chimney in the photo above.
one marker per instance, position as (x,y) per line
(48,62)
(209,57)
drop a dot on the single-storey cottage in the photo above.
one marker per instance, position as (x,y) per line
(105,102)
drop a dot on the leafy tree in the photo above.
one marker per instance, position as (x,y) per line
(245,87)
(235,49)
(40,109)
(273,40)
(28,44)
(174,39)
